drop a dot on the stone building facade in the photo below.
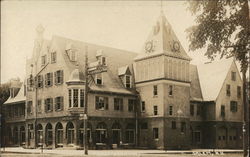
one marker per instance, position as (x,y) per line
(153,99)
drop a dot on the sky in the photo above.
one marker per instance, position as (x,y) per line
(119,24)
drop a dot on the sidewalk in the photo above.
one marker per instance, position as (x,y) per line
(127,152)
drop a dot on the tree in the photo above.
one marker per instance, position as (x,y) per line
(4,95)
(223,28)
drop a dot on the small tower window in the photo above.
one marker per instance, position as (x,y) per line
(155,90)
(128,81)
(170,93)
(99,79)
(103,60)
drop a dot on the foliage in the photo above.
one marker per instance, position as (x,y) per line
(4,92)
(219,24)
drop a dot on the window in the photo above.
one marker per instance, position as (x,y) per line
(58,77)
(222,110)
(156,133)
(15,111)
(75,97)
(130,134)
(170,110)
(81,98)
(70,98)
(72,54)
(101,103)
(59,103)
(53,57)
(233,76)
(39,106)
(155,110)
(183,127)
(128,81)
(144,126)
(101,133)
(118,104)
(103,62)
(238,91)
(43,60)
(191,109)
(198,112)
(39,81)
(131,105)
(197,136)
(170,92)
(228,90)
(155,92)
(143,106)
(49,79)
(70,133)
(233,106)
(30,83)
(29,107)
(48,104)
(173,125)
(99,79)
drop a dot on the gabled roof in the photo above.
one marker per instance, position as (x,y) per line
(212,77)
(162,36)
(195,88)
(20,97)
(116,58)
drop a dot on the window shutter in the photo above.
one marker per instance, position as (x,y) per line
(96,102)
(121,105)
(55,75)
(61,73)
(106,103)
(51,99)
(45,105)
(46,80)
(51,78)
(61,106)
(41,80)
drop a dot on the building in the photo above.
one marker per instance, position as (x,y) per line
(154,99)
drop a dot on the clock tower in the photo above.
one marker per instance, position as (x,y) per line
(162,79)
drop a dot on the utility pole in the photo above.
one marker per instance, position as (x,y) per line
(85,118)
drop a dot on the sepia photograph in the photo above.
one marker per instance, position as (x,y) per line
(113,78)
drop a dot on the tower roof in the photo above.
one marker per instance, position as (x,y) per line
(162,40)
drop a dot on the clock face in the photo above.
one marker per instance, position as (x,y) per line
(149,46)
(176,46)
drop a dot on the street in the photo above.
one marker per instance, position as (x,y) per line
(123,155)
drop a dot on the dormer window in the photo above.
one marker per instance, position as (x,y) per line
(72,55)
(70,52)
(53,57)
(43,60)
(128,81)
(98,79)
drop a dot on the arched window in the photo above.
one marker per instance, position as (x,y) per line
(130,134)
(101,133)
(39,135)
(81,133)
(116,133)
(59,135)
(70,133)
(48,135)
(15,135)
(22,135)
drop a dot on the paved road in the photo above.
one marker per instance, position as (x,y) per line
(141,155)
